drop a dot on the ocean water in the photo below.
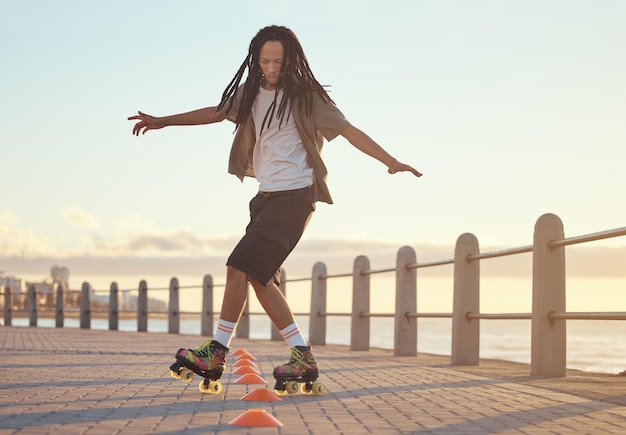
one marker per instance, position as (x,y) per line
(594,346)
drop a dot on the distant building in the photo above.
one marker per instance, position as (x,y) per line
(18,290)
(60,275)
(15,284)
(46,291)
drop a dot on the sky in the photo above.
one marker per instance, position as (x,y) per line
(510,109)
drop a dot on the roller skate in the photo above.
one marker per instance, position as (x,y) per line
(208,360)
(301,369)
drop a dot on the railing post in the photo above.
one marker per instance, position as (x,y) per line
(59,314)
(114,313)
(32,305)
(283,289)
(8,307)
(466,332)
(243,327)
(317,316)
(207,306)
(142,307)
(173,321)
(548,342)
(360,326)
(405,336)
(85,306)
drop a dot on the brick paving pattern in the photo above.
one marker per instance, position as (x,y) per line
(102,382)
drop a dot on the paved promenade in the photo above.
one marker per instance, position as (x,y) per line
(100,382)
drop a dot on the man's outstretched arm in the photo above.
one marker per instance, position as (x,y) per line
(207,115)
(366,144)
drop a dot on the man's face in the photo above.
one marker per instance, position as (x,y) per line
(270,61)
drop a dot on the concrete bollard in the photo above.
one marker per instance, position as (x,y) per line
(405,330)
(142,307)
(114,309)
(283,289)
(548,339)
(317,316)
(243,327)
(32,306)
(207,306)
(85,306)
(59,315)
(173,317)
(360,325)
(466,332)
(8,304)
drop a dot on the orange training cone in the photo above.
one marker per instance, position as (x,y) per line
(255,418)
(244,369)
(243,354)
(261,395)
(244,362)
(237,352)
(250,378)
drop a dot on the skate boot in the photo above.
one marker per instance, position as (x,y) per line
(208,360)
(301,369)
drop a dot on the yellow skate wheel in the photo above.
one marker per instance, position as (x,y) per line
(291,387)
(186,375)
(210,387)
(318,389)
(174,374)
(304,389)
(281,392)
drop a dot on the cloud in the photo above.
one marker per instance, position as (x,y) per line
(133,236)
(582,262)
(134,224)
(8,219)
(139,243)
(16,242)
(77,216)
(180,242)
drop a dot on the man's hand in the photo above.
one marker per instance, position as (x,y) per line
(146,122)
(401,167)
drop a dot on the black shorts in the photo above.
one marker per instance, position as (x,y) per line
(277,221)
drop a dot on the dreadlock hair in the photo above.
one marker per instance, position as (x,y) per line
(296,78)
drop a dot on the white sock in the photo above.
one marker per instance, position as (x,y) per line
(224,333)
(293,336)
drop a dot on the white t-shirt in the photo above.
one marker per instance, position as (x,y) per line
(279,158)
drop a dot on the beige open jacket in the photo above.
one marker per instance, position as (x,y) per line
(326,122)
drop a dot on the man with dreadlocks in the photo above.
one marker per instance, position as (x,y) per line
(282,115)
